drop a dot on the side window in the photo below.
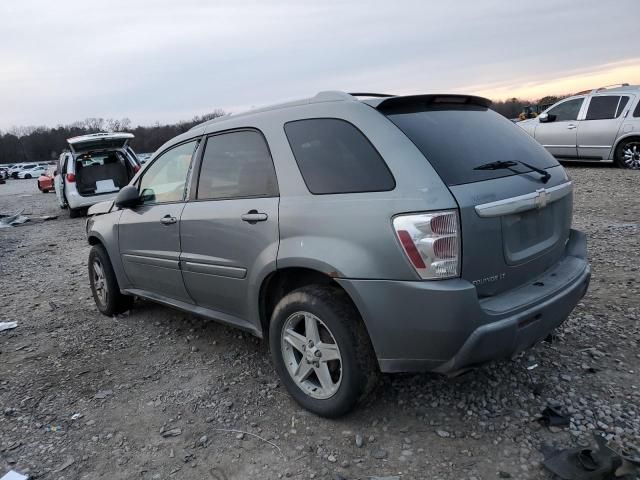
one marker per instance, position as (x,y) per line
(621,104)
(335,157)
(566,111)
(604,107)
(237,165)
(165,179)
(636,112)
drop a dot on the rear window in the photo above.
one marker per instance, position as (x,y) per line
(455,139)
(335,157)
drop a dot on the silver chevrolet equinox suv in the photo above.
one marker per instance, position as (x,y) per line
(359,233)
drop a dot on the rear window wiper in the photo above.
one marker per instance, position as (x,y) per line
(500,164)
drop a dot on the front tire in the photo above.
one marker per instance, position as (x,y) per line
(104,284)
(28,177)
(321,350)
(628,154)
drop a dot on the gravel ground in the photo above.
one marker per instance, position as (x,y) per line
(158,394)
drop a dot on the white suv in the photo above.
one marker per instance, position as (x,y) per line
(596,125)
(94,170)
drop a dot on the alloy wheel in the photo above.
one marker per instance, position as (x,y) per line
(631,155)
(99,283)
(311,355)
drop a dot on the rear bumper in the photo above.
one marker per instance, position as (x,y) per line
(442,326)
(75,200)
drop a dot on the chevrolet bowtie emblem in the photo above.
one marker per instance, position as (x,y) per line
(541,198)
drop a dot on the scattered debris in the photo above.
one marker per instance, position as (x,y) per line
(76,416)
(7,325)
(68,462)
(581,463)
(554,419)
(13,475)
(103,394)
(18,219)
(174,432)
(53,428)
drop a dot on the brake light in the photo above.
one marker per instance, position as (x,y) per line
(71,177)
(136,168)
(431,241)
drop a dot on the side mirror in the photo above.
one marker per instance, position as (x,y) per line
(128,197)
(545,117)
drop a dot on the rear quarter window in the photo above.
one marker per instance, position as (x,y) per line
(335,157)
(456,139)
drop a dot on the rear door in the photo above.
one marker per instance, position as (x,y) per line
(149,234)
(514,225)
(598,131)
(99,141)
(559,134)
(229,232)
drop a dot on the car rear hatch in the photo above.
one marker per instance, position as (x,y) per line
(515,200)
(98,141)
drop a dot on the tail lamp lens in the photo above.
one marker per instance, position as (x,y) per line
(431,241)
(71,177)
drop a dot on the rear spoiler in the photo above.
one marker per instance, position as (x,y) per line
(385,105)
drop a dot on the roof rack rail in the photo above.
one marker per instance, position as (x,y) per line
(600,89)
(376,95)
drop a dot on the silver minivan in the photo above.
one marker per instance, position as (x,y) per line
(598,125)
(356,234)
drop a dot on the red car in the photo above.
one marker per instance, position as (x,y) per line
(45,181)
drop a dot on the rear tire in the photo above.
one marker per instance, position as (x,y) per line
(28,177)
(104,284)
(335,371)
(627,154)
(75,212)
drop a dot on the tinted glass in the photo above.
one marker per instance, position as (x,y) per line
(566,111)
(335,157)
(602,108)
(165,179)
(623,103)
(457,139)
(636,112)
(237,165)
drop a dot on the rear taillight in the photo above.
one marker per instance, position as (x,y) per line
(136,168)
(71,177)
(431,241)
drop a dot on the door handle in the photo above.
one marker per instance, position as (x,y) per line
(168,220)
(571,126)
(253,216)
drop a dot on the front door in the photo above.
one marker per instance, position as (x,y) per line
(229,232)
(149,234)
(559,134)
(598,131)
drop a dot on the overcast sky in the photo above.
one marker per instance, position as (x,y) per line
(166,60)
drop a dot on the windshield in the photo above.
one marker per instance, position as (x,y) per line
(456,140)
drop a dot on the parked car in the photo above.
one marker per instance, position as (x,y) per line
(32,171)
(4,172)
(45,181)
(598,125)
(18,167)
(95,168)
(390,233)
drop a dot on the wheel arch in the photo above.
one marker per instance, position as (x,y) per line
(626,136)
(285,280)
